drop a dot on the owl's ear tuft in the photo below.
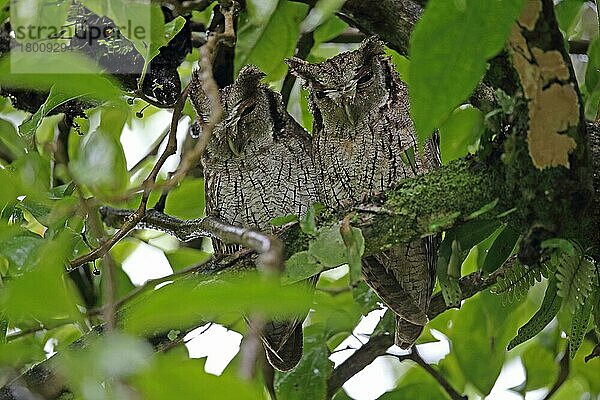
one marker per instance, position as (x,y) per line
(249,76)
(200,101)
(298,67)
(371,47)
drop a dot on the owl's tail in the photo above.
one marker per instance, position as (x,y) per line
(406,333)
(282,341)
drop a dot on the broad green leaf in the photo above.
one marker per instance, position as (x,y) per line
(479,334)
(43,292)
(100,163)
(335,312)
(171,376)
(321,12)
(186,201)
(328,248)
(300,266)
(197,301)
(500,249)
(139,21)
(460,133)
(540,367)
(27,129)
(94,370)
(329,30)
(185,257)
(418,385)
(448,51)
(11,139)
(18,247)
(567,12)
(548,309)
(17,353)
(267,33)
(309,379)
(453,251)
(69,74)
(39,21)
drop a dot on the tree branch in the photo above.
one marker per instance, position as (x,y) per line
(270,248)
(378,344)
(454,395)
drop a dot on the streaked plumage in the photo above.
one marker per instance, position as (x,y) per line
(364,143)
(257,166)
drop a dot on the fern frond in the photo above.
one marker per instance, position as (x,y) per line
(548,309)
(516,281)
(574,274)
(580,322)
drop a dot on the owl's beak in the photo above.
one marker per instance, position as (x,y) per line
(232,134)
(232,146)
(349,114)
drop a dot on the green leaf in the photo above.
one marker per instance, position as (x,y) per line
(300,266)
(517,281)
(100,153)
(286,219)
(171,376)
(328,248)
(540,367)
(185,257)
(416,391)
(460,133)
(479,334)
(453,251)
(11,139)
(501,249)
(308,221)
(448,51)
(580,321)
(309,379)
(549,308)
(267,33)
(592,80)
(186,201)
(365,297)
(562,244)
(330,29)
(43,292)
(574,279)
(18,246)
(355,247)
(28,127)
(94,369)
(195,302)
(70,74)
(566,13)
(321,12)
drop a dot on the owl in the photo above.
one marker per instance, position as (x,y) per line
(364,142)
(257,166)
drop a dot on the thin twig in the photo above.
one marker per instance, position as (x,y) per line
(454,395)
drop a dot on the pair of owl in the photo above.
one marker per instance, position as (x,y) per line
(260,164)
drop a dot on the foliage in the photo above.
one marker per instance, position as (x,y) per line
(53,180)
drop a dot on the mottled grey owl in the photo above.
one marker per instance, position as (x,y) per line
(257,166)
(364,142)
